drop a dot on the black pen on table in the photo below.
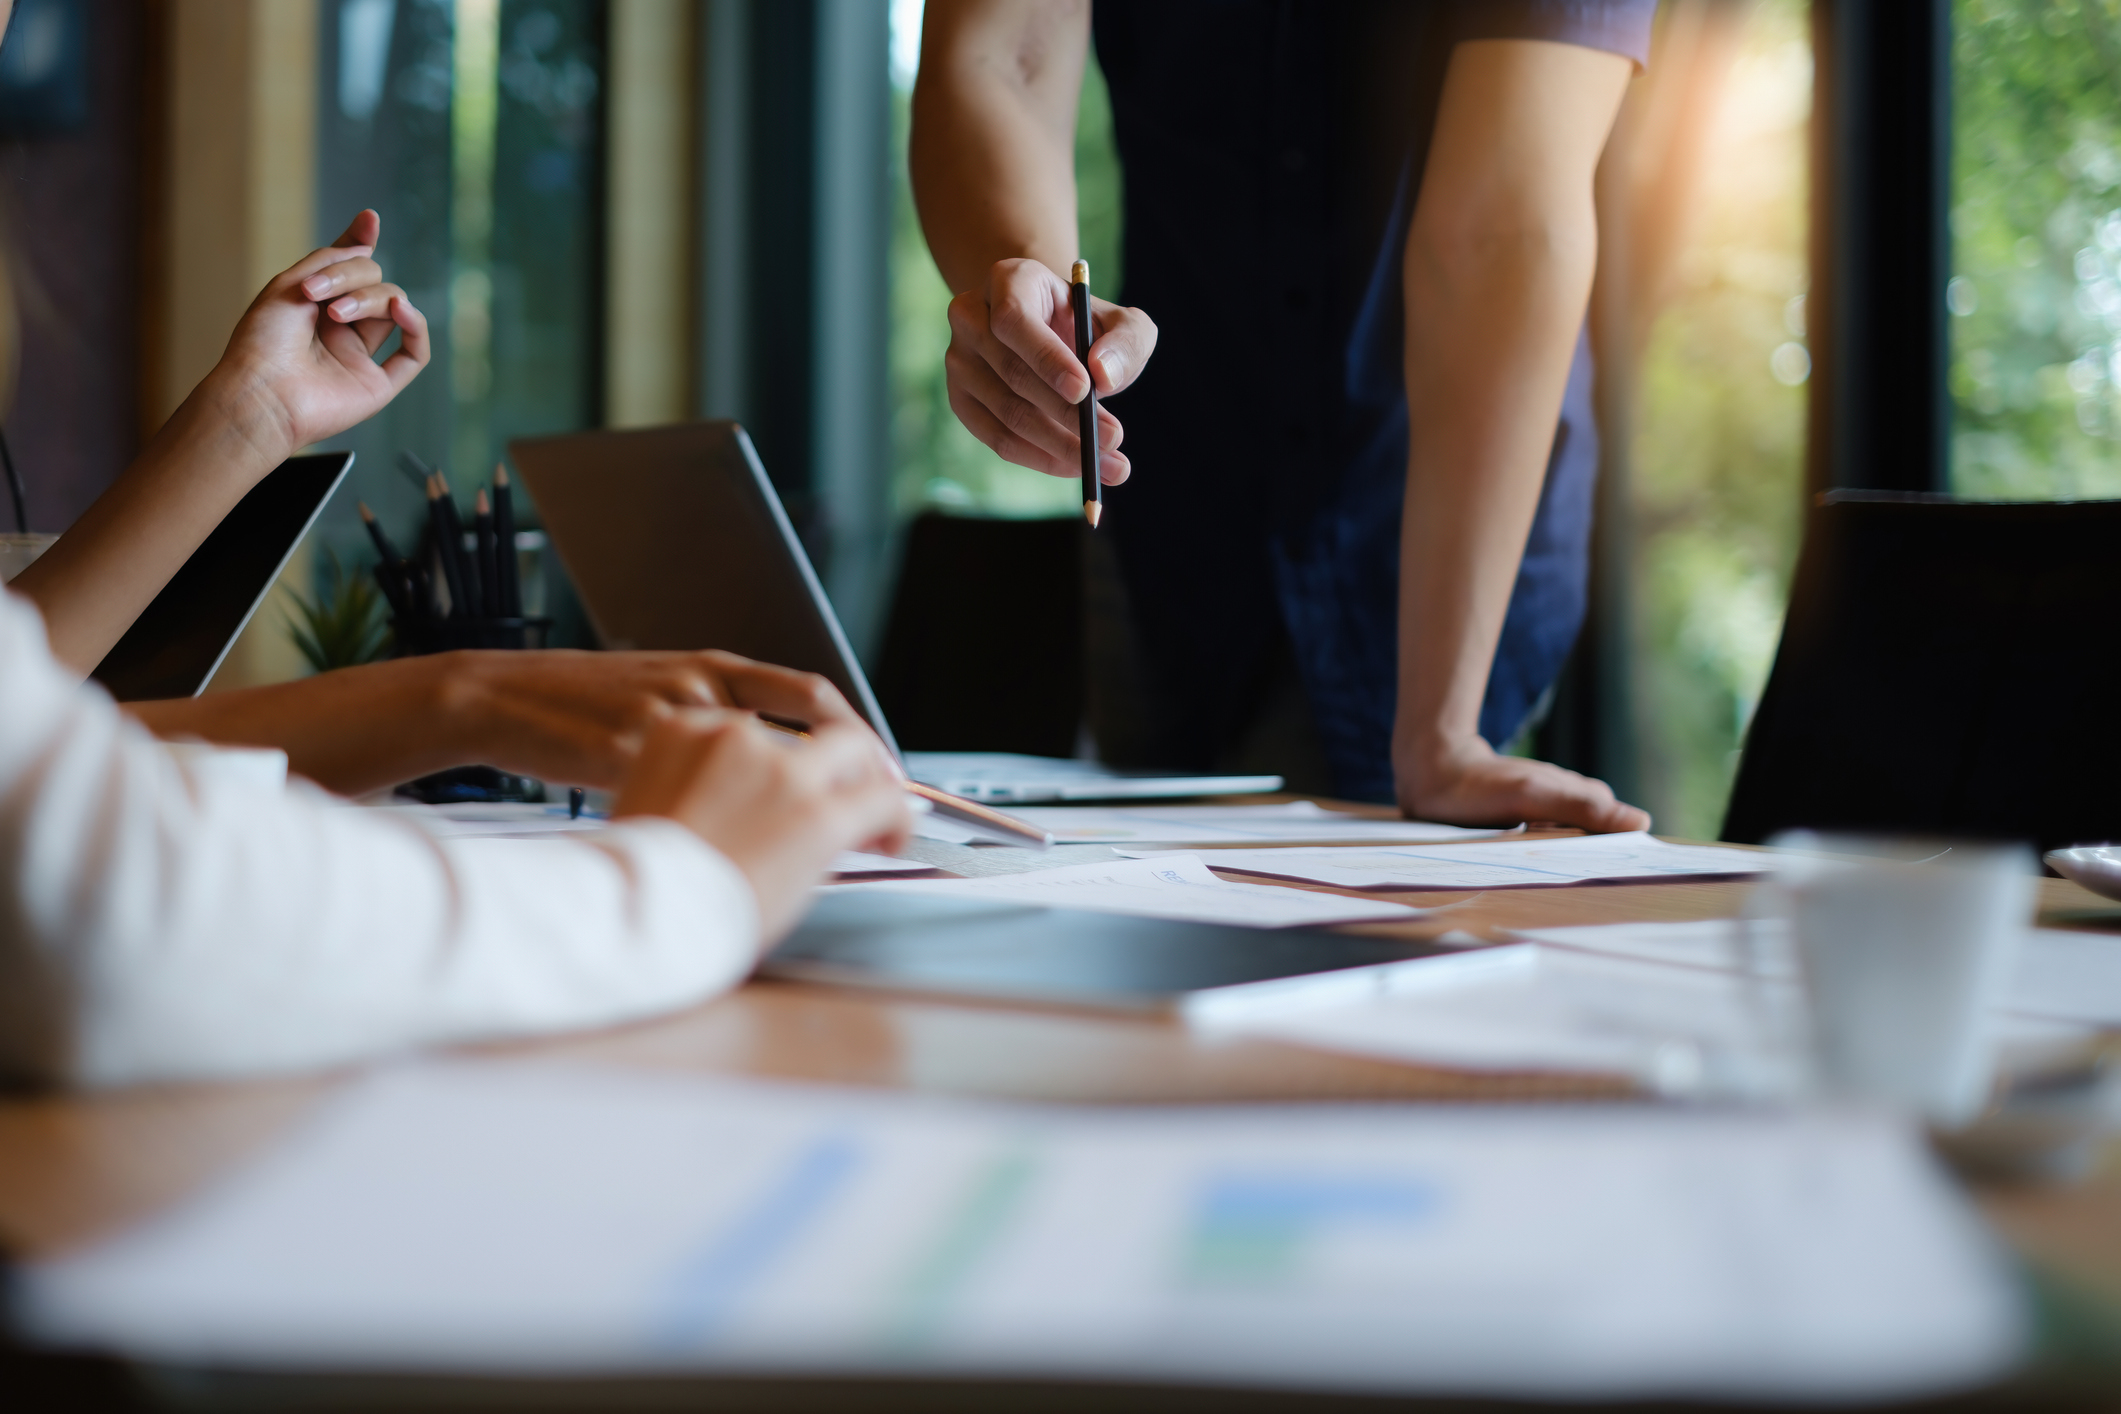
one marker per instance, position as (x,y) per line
(1086,410)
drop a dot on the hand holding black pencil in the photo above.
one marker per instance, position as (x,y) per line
(1086,410)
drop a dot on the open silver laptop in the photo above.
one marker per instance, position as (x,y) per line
(675,538)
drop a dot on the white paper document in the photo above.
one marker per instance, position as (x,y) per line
(520,820)
(1502,865)
(1530,1008)
(1169,886)
(929,827)
(2063,975)
(512,1217)
(1296,822)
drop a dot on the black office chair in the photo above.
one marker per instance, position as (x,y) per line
(1945,670)
(984,647)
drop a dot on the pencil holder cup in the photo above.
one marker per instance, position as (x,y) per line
(469,784)
(1906,950)
(431,635)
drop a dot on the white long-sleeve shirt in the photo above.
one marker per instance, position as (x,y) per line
(159,921)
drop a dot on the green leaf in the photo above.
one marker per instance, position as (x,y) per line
(344,627)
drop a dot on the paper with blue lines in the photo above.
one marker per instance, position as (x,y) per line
(525,1217)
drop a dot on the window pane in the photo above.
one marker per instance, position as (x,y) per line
(2036,250)
(1719,448)
(474,128)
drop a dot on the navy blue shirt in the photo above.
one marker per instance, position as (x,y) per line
(1272,152)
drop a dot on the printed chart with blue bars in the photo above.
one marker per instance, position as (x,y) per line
(504,1216)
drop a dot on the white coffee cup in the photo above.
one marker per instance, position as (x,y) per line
(1906,950)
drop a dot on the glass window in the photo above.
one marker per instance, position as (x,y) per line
(1718,453)
(2036,250)
(936,463)
(474,127)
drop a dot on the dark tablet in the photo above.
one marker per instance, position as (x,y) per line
(178,641)
(1053,956)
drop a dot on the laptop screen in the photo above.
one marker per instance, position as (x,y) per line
(675,539)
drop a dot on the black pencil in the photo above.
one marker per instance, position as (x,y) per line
(1086,410)
(390,572)
(467,568)
(488,565)
(504,533)
(376,535)
(415,470)
(449,545)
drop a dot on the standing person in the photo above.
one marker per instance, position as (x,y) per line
(1359,247)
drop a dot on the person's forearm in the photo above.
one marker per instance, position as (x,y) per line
(1497,273)
(1492,324)
(351,731)
(109,565)
(992,155)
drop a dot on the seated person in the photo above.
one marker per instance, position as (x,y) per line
(160,919)
(300,368)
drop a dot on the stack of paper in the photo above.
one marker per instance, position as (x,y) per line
(1504,865)
(1170,886)
(504,1217)
(1682,1008)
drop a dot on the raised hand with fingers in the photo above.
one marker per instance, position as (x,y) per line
(1015,380)
(303,356)
(300,367)
(776,806)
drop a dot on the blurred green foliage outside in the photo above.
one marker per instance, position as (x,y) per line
(1718,458)
(2036,249)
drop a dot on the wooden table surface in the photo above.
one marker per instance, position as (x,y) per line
(74,1167)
